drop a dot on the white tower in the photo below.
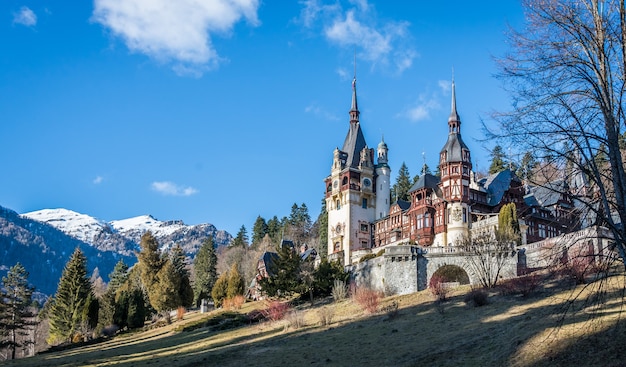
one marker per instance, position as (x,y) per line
(383,178)
(350,194)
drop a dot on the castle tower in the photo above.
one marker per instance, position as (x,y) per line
(383,179)
(350,192)
(455,167)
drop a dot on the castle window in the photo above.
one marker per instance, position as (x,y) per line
(419,221)
(338,205)
(426,220)
(364,203)
(363,244)
(364,227)
(344,181)
(464,215)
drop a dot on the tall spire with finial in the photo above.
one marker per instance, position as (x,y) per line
(454,121)
(354,109)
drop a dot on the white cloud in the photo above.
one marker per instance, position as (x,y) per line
(357,27)
(25,17)
(172,189)
(445,86)
(318,111)
(177,32)
(422,109)
(98,180)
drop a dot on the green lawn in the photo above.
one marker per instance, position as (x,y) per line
(511,330)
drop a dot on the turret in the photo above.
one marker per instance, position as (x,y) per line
(383,181)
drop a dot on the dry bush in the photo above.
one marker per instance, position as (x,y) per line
(339,291)
(326,315)
(233,303)
(276,310)
(577,269)
(180,312)
(438,288)
(524,285)
(368,299)
(477,298)
(295,319)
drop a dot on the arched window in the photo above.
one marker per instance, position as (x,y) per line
(344,181)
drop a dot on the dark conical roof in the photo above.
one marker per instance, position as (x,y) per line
(354,144)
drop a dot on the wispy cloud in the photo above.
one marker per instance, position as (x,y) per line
(25,17)
(422,109)
(175,32)
(98,180)
(171,189)
(356,26)
(318,111)
(427,102)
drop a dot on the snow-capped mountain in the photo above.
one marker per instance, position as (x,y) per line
(123,236)
(77,225)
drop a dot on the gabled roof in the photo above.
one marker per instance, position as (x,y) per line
(404,205)
(547,195)
(426,181)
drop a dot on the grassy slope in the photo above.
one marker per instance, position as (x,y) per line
(509,331)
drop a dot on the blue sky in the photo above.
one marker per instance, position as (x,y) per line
(218,111)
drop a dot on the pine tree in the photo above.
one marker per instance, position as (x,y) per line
(205,270)
(149,259)
(163,294)
(322,221)
(17,318)
(241,240)
(498,162)
(259,230)
(275,229)
(118,276)
(285,272)
(185,291)
(525,170)
(220,290)
(71,299)
(403,183)
(236,285)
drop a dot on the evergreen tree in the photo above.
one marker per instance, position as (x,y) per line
(325,275)
(299,223)
(71,299)
(259,230)
(403,183)
(525,170)
(285,272)
(117,277)
(205,270)
(131,304)
(322,221)
(241,240)
(507,219)
(16,299)
(220,290)
(185,291)
(236,285)
(498,161)
(149,260)
(275,229)
(164,294)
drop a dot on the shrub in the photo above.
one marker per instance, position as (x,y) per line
(524,285)
(295,319)
(477,298)
(368,299)
(438,288)
(276,310)
(234,303)
(380,252)
(326,315)
(339,292)
(577,269)
(180,312)
(256,316)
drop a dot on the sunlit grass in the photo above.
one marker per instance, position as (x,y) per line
(550,328)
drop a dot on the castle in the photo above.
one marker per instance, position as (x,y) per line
(442,208)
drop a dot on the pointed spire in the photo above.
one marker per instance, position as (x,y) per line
(354,109)
(454,121)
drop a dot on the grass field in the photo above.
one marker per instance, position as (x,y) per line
(560,325)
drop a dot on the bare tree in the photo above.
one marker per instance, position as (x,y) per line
(488,253)
(566,73)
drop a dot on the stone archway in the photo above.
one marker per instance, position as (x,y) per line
(453,274)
